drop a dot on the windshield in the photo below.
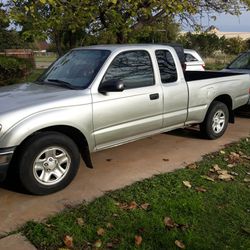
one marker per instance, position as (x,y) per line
(76,69)
(242,62)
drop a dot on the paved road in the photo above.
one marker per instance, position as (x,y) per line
(116,168)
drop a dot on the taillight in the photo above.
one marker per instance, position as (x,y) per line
(203,66)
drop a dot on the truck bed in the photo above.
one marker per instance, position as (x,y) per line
(202,75)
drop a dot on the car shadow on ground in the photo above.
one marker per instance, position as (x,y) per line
(190,132)
(243,112)
(12,183)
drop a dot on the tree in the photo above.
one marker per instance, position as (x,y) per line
(8,38)
(68,22)
(4,20)
(234,46)
(164,31)
(125,17)
(205,43)
(248,44)
(59,21)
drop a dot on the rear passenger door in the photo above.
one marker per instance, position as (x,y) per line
(175,91)
(124,116)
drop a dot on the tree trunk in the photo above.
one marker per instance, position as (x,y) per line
(58,42)
(120,38)
(72,39)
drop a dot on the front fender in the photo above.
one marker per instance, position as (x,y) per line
(79,117)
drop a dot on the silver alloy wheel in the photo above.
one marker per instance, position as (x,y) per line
(219,121)
(51,166)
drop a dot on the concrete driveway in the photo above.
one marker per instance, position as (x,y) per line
(116,168)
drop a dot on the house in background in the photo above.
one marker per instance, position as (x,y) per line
(216,31)
(41,47)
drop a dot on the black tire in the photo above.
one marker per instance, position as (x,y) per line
(54,145)
(207,129)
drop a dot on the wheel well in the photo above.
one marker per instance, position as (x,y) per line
(227,100)
(73,133)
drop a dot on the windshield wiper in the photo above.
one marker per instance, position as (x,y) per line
(60,83)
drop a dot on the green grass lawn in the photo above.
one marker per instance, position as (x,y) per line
(162,212)
(50,58)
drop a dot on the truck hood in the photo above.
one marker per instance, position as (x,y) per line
(17,102)
(37,97)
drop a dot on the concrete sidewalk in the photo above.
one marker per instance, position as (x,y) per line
(15,242)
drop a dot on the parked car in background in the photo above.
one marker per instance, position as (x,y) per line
(241,64)
(193,60)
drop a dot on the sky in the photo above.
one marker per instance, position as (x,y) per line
(226,22)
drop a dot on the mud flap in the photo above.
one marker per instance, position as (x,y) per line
(87,158)
(231,116)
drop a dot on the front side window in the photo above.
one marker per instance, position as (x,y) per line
(76,69)
(242,62)
(166,66)
(133,68)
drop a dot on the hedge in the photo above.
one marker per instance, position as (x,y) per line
(12,69)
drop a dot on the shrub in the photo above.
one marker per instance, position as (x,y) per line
(12,69)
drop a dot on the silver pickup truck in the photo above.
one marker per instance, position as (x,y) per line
(99,97)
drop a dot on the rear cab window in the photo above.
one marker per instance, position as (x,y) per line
(167,67)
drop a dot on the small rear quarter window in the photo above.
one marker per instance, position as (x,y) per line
(167,66)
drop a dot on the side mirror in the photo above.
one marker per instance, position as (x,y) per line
(111,86)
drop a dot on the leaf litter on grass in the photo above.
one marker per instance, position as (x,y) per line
(201,189)
(192,166)
(216,173)
(170,224)
(80,221)
(100,231)
(187,184)
(98,244)
(138,240)
(180,244)
(132,206)
(68,241)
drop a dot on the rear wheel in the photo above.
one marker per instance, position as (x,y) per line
(216,121)
(47,163)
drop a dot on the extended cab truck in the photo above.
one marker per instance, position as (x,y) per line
(98,97)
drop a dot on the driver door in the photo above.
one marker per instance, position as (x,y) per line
(123,116)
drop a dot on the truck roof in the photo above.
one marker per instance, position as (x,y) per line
(114,47)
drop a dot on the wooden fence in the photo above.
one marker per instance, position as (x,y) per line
(20,53)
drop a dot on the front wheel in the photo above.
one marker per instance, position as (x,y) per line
(47,163)
(216,121)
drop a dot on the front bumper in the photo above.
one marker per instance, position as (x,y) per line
(5,158)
